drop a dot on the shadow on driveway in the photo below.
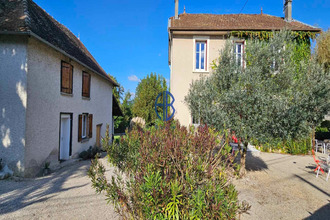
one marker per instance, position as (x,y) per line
(15,195)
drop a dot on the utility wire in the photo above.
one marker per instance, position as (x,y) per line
(243,6)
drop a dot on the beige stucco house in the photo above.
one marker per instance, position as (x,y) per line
(56,99)
(195,41)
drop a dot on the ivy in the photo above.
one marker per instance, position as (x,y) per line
(265,35)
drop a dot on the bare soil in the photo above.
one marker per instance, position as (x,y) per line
(279,186)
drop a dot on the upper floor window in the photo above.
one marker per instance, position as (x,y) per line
(66,77)
(238,51)
(201,58)
(86,84)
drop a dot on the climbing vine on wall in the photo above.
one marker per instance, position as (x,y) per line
(264,35)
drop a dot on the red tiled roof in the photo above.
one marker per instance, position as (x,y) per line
(236,22)
(25,16)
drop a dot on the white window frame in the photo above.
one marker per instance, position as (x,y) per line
(84,125)
(242,43)
(205,39)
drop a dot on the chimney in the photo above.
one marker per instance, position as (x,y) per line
(288,10)
(176,9)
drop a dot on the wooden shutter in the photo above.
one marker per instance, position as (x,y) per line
(66,77)
(79,127)
(86,83)
(90,122)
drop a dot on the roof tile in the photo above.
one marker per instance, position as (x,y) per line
(27,16)
(232,22)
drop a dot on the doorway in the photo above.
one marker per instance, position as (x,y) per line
(98,135)
(65,136)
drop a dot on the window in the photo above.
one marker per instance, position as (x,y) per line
(201,59)
(238,51)
(85,126)
(86,84)
(66,77)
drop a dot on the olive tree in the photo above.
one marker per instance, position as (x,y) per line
(268,96)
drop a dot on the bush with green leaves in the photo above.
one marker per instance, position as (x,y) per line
(300,146)
(91,153)
(277,95)
(170,173)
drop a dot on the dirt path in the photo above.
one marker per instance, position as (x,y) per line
(284,187)
(65,194)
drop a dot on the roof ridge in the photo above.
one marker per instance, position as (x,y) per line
(27,19)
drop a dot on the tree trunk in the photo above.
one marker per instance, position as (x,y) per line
(242,170)
(313,139)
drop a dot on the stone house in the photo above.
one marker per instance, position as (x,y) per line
(195,41)
(56,99)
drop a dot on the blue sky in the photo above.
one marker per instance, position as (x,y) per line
(129,38)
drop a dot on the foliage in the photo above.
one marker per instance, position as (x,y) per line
(323,48)
(47,164)
(122,122)
(145,96)
(301,146)
(273,97)
(170,173)
(90,153)
(117,91)
(266,35)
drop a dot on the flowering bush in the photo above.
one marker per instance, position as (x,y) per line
(170,173)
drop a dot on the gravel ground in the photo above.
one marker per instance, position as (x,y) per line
(65,194)
(279,186)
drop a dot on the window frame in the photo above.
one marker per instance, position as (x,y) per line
(206,40)
(63,63)
(89,85)
(242,43)
(84,125)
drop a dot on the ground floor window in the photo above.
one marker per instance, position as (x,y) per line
(85,126)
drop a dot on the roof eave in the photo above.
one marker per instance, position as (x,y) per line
(236,29)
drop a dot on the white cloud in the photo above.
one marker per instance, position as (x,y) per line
(134,78)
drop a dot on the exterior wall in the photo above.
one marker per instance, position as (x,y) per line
(13,70)
(183,72)
(45,103)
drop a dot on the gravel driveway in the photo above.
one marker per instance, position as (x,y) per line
(277,186)
(65,194)
(282,186)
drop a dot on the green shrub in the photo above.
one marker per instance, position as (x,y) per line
(90,153)
(170,173)
(301,146)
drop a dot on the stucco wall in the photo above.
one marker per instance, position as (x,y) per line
(13,70)
(182,69)
(45,103)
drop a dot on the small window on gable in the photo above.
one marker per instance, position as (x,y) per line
(238,51)
(66,77)
(86,84)
(201,56)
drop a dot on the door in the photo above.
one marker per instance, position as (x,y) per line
(65,136)
(98,135)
